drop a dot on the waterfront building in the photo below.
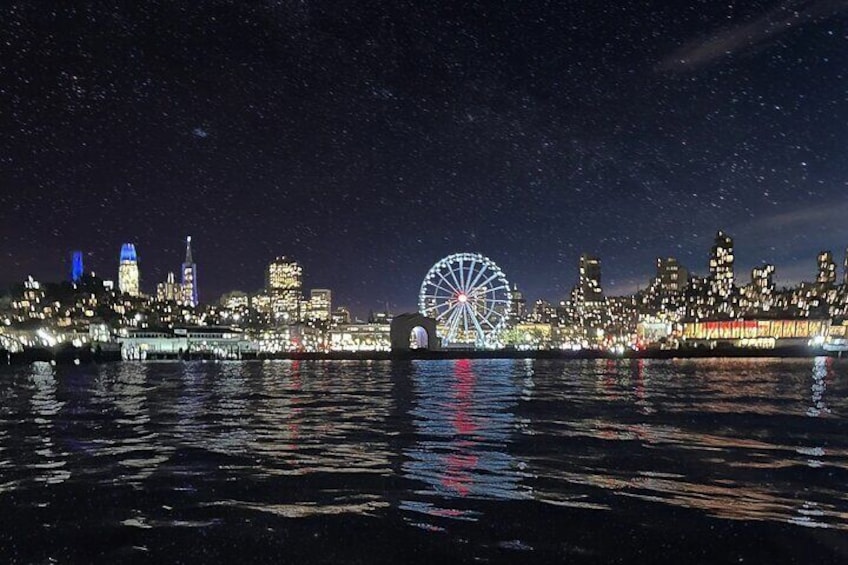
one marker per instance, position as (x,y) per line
(284,285)
(189,281)
(128,273)
(77,269)
(169,290)
(361,337)
(216,342)
(757,333)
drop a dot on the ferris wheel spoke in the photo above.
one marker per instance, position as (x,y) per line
(496,288)
(461,274)
(440,287)
(446,312)
(453,323)
(453,288)
(474,285)
(487,281)
(481,335)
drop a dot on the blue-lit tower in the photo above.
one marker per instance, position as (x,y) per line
(128,275)
(77,269)
(189,277)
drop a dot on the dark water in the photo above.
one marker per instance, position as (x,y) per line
(703,461)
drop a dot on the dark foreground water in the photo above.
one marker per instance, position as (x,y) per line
(703,461)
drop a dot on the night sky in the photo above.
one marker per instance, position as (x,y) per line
(369,139)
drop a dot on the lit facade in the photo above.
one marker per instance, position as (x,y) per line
(590,279)
(760,294)
(320,304)
(170,290)
(128,274)
(672,277)
(721,266)
(284,284)
(826,276)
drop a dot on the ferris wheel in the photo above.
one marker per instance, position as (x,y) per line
(469,297)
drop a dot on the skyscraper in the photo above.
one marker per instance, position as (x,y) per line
(77,268)
(284,283)
(169,291)
(128,274)
(826,276)
(671,275)
(590,279)
(189,284)
(721,267)
(320,304)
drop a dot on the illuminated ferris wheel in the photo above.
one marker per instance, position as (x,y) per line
(469,297)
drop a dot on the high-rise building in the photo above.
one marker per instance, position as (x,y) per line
(189,284)
(761,293)
(128,275)
(590,279)
(284,282)
(826,277)
(671,276)
(320,304)
(721,268)
(517,306)
(169,291)
(77,269)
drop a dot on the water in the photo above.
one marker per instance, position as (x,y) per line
(701,461)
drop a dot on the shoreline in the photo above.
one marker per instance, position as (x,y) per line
(86,356)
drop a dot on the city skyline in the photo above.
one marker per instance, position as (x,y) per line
(285,274)
(368,141)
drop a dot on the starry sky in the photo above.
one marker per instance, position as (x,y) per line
(367,139)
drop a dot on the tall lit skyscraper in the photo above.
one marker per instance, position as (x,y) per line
(77,268)
(189,284)
(517,306)
(721,267)
(285,288)
(590,279)
(128,275)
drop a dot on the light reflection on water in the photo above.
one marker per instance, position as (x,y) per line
(435,444)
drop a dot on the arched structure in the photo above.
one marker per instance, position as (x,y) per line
(408,327)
